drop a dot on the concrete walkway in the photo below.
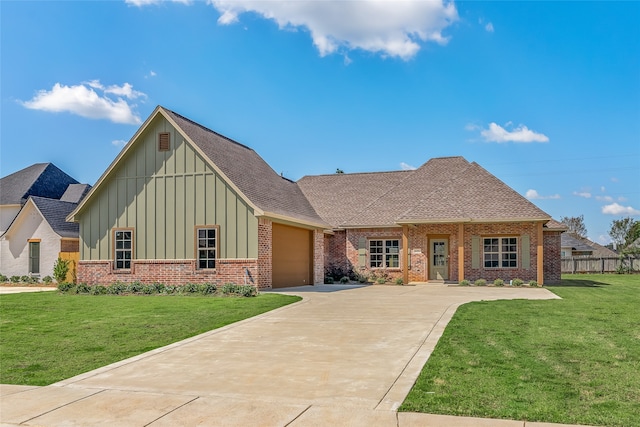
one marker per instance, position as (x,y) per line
(342,356)
(21,289)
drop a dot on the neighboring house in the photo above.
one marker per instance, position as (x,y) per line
(573,244)
(182,203)
(35,203)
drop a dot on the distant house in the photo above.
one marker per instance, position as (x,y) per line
(35,202)
(573,244)
(182,203)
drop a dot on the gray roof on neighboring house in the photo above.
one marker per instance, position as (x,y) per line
(266,189)
(441,190)
(40,179)
(582,244)
(75,193)
(55,213)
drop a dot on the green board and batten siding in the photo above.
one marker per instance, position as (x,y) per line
(163,195)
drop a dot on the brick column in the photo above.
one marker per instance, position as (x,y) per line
(540,254)
(460,252)
(405,254)
(318,257)
(265,253)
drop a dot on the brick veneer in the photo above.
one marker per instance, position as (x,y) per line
(169,272)
(265,241)
(342,247)
(318,257)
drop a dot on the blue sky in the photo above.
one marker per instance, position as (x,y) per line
(544,95)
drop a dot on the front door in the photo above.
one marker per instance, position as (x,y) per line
(439,259)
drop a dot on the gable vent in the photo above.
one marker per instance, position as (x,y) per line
(164,141)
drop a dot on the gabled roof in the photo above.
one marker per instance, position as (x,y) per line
(446,189)
(54,213)
(260,186)
(573,240)
(40,179)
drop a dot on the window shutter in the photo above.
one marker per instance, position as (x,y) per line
(362,252)
(475,251)
(526,256)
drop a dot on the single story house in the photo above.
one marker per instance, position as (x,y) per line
(572,244)
(182,203)
(35,203)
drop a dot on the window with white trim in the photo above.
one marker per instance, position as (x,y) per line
(123,249)
(384,253)
(207,246)
(501,252)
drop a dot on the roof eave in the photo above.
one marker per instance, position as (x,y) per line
(289,219)
(469,220)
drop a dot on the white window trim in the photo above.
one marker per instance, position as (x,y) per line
(384,253)
(500,252)
(215,249)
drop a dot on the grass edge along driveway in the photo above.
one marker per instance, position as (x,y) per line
(46,337)
(575,360)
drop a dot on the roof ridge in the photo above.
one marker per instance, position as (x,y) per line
(356,173)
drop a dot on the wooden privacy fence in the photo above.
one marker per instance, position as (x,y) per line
(587,264)
(73,258)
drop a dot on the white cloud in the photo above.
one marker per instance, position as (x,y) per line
(584,194)
(603,188)
(84,100)
(533,195)
(604,198)
(616,209)
(603,239)
(521,133)
(387,27)
(407,167)
(119,142)
(489,27)
(614,179)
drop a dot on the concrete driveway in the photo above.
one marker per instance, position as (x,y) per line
(22,289)
(342,357)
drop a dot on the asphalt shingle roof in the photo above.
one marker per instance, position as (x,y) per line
(55,213)
(250,173)
(40,179)
(573,240)
(442,189)
(75,193)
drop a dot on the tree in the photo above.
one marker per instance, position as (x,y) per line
(624,231)
(338,170)
(575,224)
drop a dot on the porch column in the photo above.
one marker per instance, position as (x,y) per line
(540,254)
(460,252)
(405,254)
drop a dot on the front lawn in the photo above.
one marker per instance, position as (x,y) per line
(46,337)
(574,361)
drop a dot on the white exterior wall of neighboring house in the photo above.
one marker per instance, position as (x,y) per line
(7,214)
(566,251)
(14,246)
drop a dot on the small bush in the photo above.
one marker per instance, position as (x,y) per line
(189,288)
(47,279)
(60,269)
(480,282)
(207,288)
(241,290)
(328,280)
(381,280)
(517,282)
(399,281)
(170,289)
(148,289)
(464,282)
(15,279)
(158,288)
(117,288)
(344,280)
(3,278)
(98,290)
(25,279)
(135,287)
(65,286)
(82,288)
(533,284)
(498,282)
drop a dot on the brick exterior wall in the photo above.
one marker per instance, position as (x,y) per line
(318,257)
(342,249)
(552,258)
(265,259)
(169,272)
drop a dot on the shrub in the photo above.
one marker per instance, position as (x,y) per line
(135,287)
(117,288)
(3,278)
(241,290)
(15,279)
(399,281)
(189,288)
(328,280)
(381,280)
(517,282)
(480,282)
(47,279)
(148,289)
(464,282)
(361,277)
(60,269)
(207,288)
(25,279)
(65,286)
(498,282)
(159,287)
(229,288)
(533,284)
(98,290)
(344,280)
(170,289)
(335,271)
(82,288)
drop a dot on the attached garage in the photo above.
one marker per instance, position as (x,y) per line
(292,256)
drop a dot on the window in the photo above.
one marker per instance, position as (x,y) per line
(207,246)
(123,244)
(34,257)
(384,253)
(501,252)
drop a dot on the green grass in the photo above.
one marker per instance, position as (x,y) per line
(575,360)
(46,337)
